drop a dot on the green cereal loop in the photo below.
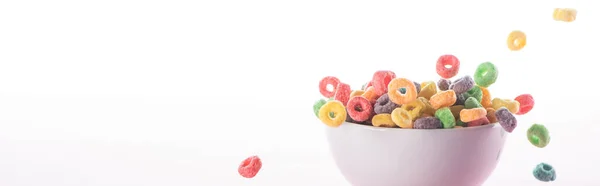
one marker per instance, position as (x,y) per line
(446,117)
(472,102)
(317,106)
(485,74)
(538,135)
(475,92)
(460,123)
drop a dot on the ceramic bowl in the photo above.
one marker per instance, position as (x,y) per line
(374,156)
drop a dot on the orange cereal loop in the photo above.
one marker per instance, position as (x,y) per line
(468,115)
(443,99)
(428,89)
(486,99)
(456,110)
(491,115)
(402,118)
(415,108)
(370,95)
(357,93)
(428,109)
(458,126)
(402,91)
(516,40)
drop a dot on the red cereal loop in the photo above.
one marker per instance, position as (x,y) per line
(479,122)
(250,167)
(526,103)
(452,63)
(359,108)
(342,93)
(380,81)
(328,80)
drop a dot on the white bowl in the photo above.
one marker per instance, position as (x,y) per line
(373,156)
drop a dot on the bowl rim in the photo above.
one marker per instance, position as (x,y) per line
(370,127)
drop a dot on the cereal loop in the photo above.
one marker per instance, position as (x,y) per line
(427,123)
(456,110)
(447,66)
(511,105)
(443,99)
(383,120)
(415,108)
(486,74)
(445,116)
(317,106)
(516,40)
(506,119)
(538,135)
(444,84)
(357,93)
(471,102)
(468,115)
(462,85)
(526,103)
(338,110)
(491,115)
(428,89)
(428,109)
(478,122)
(544,172)
(486,98)
(380,81)
(402,118)
(370,95)
(359,109)
(564,14)
(383,105)
(328,81)
(397,96)
(342,93)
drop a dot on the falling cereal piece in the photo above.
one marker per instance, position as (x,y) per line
(250,167)
(516,40)
(564,14)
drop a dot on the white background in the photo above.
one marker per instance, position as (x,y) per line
(123,92)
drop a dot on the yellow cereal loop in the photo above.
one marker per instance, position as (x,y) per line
(357,93)
(428,109)
(415,108)
(511,105)
(383,120)
(428,89)
(338,110)
(516,40)
(402,118)
(564,14)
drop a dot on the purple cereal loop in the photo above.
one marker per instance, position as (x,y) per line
(462,85)
(506,119)
(383,105)
(418,86)
(444,84)
(460,99)
(427,123)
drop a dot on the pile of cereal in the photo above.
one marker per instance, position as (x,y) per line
(397,102)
